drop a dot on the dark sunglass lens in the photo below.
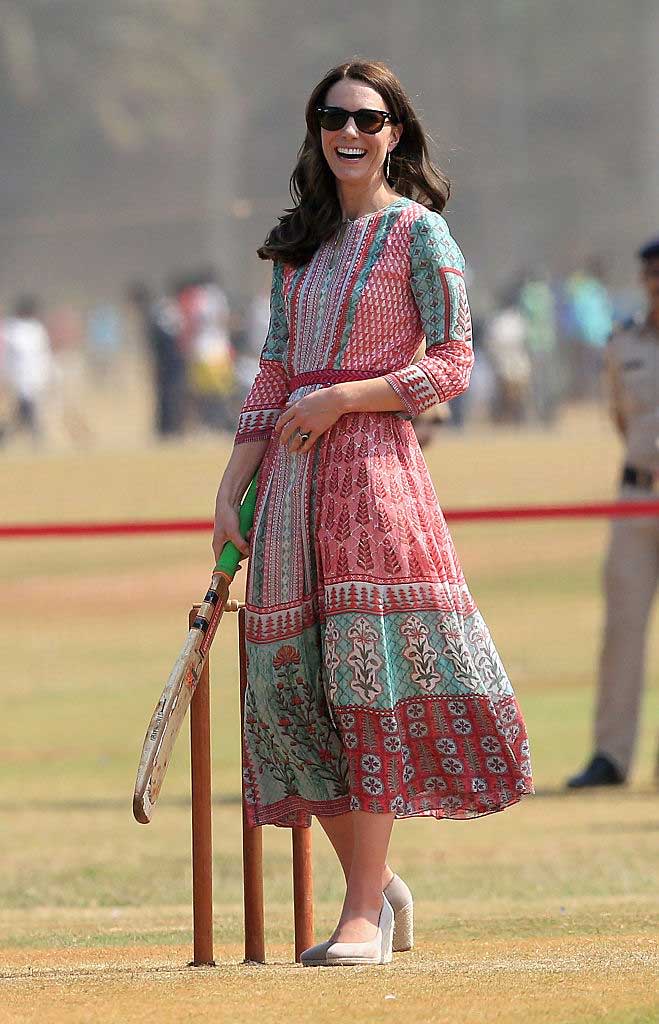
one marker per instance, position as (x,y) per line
(369,121)
(331,119)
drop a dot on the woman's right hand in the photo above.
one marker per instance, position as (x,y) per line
(227,528)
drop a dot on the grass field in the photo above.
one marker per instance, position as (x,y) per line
(546,912)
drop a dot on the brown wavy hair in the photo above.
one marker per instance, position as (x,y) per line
(317,211)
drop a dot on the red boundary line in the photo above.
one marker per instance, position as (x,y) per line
(600,510)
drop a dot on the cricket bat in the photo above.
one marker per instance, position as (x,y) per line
(175,699)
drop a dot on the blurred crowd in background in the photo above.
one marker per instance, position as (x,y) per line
(539,346)
(201,357)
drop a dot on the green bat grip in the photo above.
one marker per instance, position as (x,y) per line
(230,556)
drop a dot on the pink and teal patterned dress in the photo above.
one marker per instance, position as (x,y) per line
(372,680)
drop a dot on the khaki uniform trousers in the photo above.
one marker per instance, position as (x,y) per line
(630,580)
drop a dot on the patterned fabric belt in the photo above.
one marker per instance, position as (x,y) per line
(330,376)
(642,478)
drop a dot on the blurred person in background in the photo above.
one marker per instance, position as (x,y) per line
(536,304)
(204,310)
(104,336)
(161,323)
(632,565)
(505,343)
(483,385)
(28,365)
(66,330)
(589,314)
(246,364)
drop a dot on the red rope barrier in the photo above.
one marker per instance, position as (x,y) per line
(105,529)
(601,510)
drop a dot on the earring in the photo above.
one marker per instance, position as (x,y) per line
(387,165)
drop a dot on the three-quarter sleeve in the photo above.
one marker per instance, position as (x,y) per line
(267,395)
(437,279)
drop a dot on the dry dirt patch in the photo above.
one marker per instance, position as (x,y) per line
(557,980)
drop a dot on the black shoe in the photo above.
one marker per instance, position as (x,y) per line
(600,772)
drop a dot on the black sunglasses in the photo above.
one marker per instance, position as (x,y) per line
(368,121)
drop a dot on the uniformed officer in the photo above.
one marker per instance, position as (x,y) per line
(632,565)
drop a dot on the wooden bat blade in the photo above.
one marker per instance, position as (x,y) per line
(175,699)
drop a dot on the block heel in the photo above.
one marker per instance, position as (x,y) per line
(400,897)
(403,937)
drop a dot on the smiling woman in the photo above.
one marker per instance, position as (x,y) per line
(364,136)
(374,690)
(357,106)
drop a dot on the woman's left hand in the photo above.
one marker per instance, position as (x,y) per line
(313,414)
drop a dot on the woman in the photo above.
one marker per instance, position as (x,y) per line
(374,689)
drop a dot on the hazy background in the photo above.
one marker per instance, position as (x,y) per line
(139,135)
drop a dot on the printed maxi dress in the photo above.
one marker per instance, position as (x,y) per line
(372,680)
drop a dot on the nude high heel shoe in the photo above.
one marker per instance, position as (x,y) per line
(402,904)
(377,951)
(314,956)
(399,896)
